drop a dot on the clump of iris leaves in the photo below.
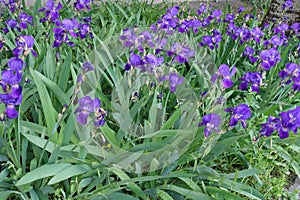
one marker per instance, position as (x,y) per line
(107,100)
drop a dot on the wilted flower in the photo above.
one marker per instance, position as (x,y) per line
(241,113)
(211,122)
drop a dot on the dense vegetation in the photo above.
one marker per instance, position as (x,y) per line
(110,101)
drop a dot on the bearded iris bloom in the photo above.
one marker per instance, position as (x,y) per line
(269,58)
(211,122)
(251,78)
(241,113)
(89,107)
(225,73)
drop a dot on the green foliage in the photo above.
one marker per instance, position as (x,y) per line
(150,146)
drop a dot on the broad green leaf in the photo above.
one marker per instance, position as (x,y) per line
(42,172)
(188,194)
(48,110)
(60,95)
(243,173)
(69,172)
(5,194)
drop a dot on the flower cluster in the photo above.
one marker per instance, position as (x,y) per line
(287,122)
(10,83)
(73,28)
(12,5)
(22,23)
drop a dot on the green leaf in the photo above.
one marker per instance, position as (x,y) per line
(5,194)
(60,95)
(243,173)
(65,72)
(131,185)
(50,65)
(42,172)
(40,142)
(69,172)
(48,110)
(188,194)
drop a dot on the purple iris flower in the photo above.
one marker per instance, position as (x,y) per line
(281,28)
(201,9)
(24,20)
(87,66)
(61,32)
(291,74)
(24,46)
(241,9)
(217,14)
(128,38)
(51,12)
(269,58)
(296,27)
(134,60)
(212,41)
(225,73)
(292,70)
(12,24)
(10,103)
(268,128)
(241,113)
(82,4)
(276,41)
(250,53)
(257,33)
(211,122)
(86,107)
(182,53)
(251,78)
(288,4)
(174,81)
